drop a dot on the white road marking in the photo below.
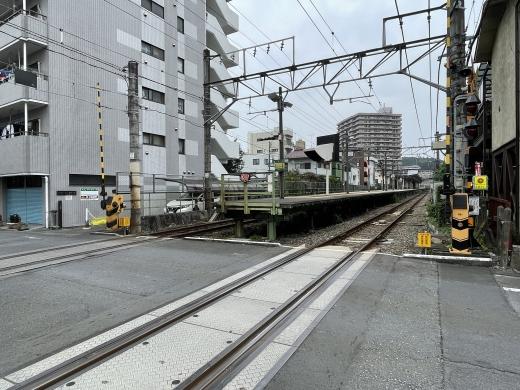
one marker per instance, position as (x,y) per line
(511,289)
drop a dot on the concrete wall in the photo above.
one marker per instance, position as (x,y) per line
(503,89)
(157,223)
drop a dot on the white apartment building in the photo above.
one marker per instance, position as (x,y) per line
(377,134)
(48,128)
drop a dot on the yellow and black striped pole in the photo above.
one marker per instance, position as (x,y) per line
(101,135)
(460,224)
(447,158)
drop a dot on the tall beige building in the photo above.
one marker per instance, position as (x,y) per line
(259,144)
(378,133)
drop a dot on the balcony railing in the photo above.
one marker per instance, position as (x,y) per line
(13,96)
(29,28)
(24,154)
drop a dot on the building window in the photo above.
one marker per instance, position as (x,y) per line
(180,105)
(153,95)
(154,139)
(259,150)
(153,7)
(152,50)
(266,161)
(182,146)
(305,166)
(180,65)
(256,161)
(274,150)
(180,24)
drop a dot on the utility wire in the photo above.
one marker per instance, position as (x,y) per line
(117,68)
(339,42)
(321,93)
(333,50)
(430,67)
(407,62)
(303,119)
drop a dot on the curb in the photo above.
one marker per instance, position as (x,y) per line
(246,242)
(472,261)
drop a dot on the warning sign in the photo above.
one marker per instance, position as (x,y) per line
(480,183)
(424,240)
(245,177)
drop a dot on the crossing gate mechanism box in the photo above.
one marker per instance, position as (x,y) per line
(124,222)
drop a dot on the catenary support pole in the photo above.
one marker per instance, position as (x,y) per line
(135,148)
(208,194)
(281,143)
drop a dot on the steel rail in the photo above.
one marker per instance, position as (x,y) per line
(82,362)
(199,228)
(54,248)
(72,256)
(175,233)
(214,375)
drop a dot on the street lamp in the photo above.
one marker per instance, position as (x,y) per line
(278,99)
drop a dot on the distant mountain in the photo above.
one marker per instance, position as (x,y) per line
(423,162)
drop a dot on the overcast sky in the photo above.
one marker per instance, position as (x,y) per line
(357,25)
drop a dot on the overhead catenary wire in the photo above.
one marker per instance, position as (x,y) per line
(301,118)
(324,118)
(340,44)
(333,50)
(321,93)
(407,63)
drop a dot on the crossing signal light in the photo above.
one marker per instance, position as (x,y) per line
(471,129)
(113,207)
(472,103)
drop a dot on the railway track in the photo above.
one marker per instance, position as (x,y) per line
(199,228)
(27,261)
(217,371)
(30,260)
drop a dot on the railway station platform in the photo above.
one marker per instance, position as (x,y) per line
(261,201)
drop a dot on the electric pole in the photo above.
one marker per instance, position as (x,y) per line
(281,143)
(385,186)
(208,193)
(456,54)
(346,165)
(135,148)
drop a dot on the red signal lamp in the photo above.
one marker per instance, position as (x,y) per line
(472,103)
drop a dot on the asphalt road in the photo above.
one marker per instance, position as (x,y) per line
(408,324)
(13,241)
(46,310)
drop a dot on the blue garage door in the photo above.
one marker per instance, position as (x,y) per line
(27,203)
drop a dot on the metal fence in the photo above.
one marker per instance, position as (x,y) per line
(167,193)
(178,193)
